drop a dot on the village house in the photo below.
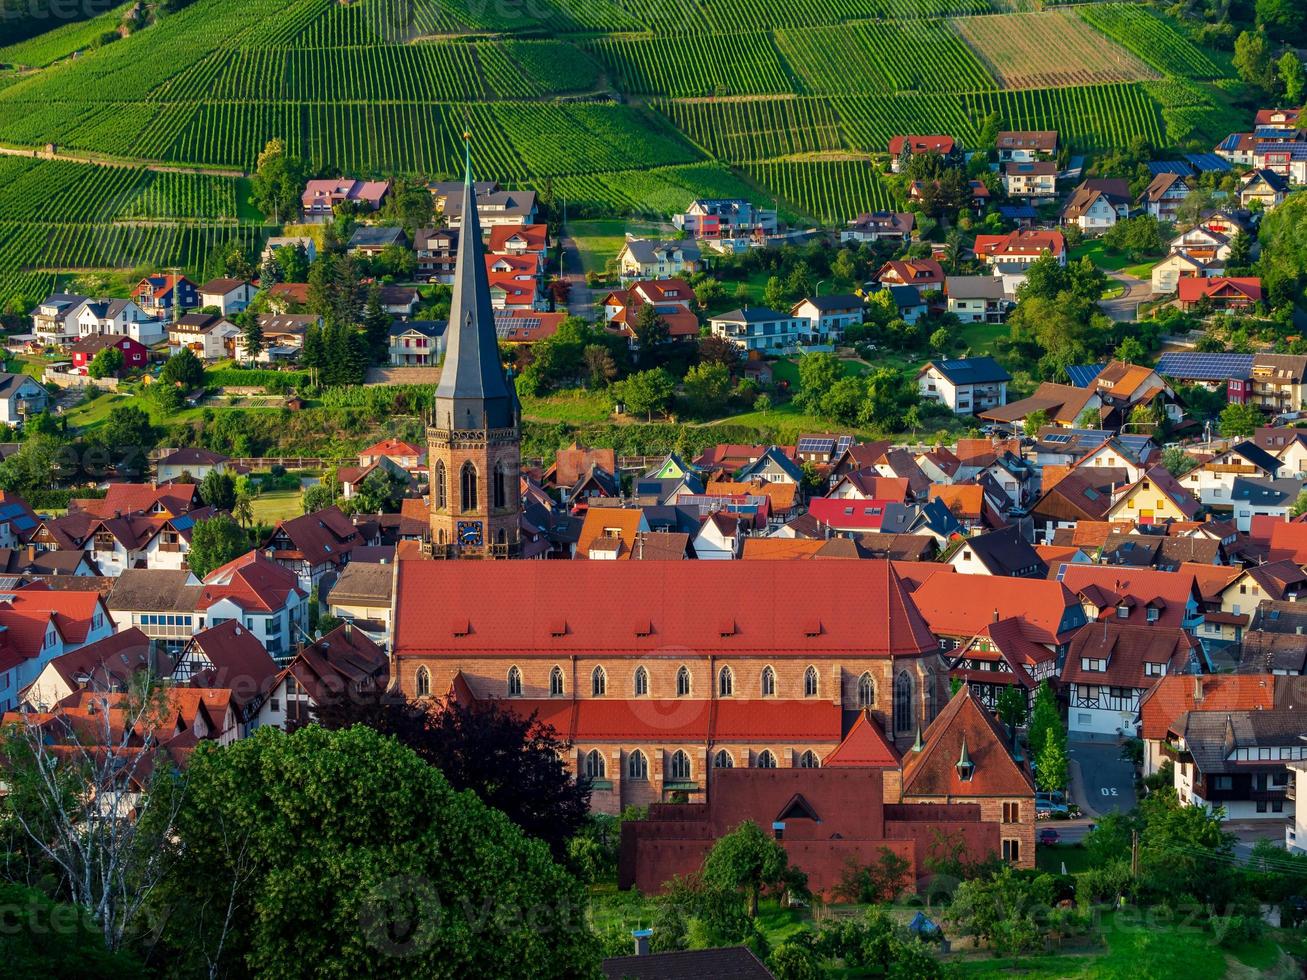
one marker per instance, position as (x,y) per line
(827,317)
(1220,293)
(342,666)
(1265,187)
(164,296)
(725,218)
(314,546)
(363,595)
(37,625)
(1164,194)
(283,337)
(135,355)
(230,296)
(51,322)
(1154,498)
(416,343)
(277,242)
(107,665)
(21,397)
(1213,480)
(756,328)
(1277,382)
(1111,667)
(321,197)
(922,273)
(901,148)
(908,302)
(1010,255)
(1031,179)
(119,317)
(159,602)
(495,207)
(894,227)
(642,258)
(1175,695)
(437,254)
(522,328)
(229,657)
(977,299)
(209,336)
(672,299)
(262,595)
(966,386)
(370,240)
(999,657)
(190,461)
(1098,204)
(1024,147)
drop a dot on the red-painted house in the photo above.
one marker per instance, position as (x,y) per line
(1224,292)
(135,354)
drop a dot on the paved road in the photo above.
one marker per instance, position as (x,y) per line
(1107,782)
(580,302)
(1134,292)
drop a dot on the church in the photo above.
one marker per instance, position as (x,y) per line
(658,674)
(474,440)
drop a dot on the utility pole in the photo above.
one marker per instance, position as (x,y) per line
(1134,854)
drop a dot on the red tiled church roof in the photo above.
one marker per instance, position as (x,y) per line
(932,771)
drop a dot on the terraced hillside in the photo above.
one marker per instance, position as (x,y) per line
(621,106)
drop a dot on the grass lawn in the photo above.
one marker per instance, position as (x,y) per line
(980,337)
(601,240)
(1144,270)
(1099,255)
(1051,858)
(787,369)
(245,209)
(576,406)
(276,505)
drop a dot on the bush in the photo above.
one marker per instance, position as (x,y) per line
(1235,930)
(255,378)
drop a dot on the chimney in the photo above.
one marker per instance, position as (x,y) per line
(996,614)
(1198,688)
(641,937)
(349,627)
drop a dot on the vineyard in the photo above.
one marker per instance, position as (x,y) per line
(617,106)
(1048,49)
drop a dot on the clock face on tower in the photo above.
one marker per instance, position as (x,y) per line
(469,534)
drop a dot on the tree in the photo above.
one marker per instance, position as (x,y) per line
(708,292)
(1010,911)
(1177,461)
(774,294)
(1130,350)
(762,403)
(1252,59)
(1089,419)
(318,496)
(214,542)
(1045,721)
(1011,709)
(106,363)
(293,260)
(243,510)
(278,181)
(512,763)
(376,326)
(409,205)
(1290,70)
(818,373)
(877,882)
(650,328)
(393,873)
(1052,765)
(940,341)
(600,365)
(1241,248)
(380,492)
(1034,421)
(183,370)
(747,860)
(218,490)
(1180,844)
(73,948)
(74,800)
(397,261)
(1284,20)
(645,392)
(1239,420)
(718,350)
(707,387)
(127,436)
(252,334)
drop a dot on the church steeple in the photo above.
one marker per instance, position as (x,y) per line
(473,392)
(474,441)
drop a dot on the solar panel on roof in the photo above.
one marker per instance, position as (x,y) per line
(1208,162)
(1057,440)
(843,443)
(1180,167)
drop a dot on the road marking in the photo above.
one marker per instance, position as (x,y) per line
(1109,791)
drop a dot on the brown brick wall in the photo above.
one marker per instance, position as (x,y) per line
(484,456)
(991,812)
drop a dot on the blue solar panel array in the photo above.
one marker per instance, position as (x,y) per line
(1208,163)
(1180,167)
(1188,365)
(1083,375)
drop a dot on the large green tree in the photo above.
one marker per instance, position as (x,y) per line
(645,392)
(748,861)
(218,489)
(183,369)
(106,363)
(278,181)
(214,542)
(1239,420)
(343,854)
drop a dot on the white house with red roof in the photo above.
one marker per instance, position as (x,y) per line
(671,298)
(1010,255)
(259,594)
(229,657)
(315,545)
(38,624)
(903,147)
(407,455)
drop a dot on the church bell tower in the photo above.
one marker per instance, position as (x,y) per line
(474,439)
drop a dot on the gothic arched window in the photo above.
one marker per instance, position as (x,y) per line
(682,682)
(725,683)
(514,682)
(499,486)
(598,682)
(441,486)
(637,766)
(723,760)
(594,764)
(766,760)
(809,760)
(556,682)
(468,483)
(423,682)
(680,766)
(768,682)
(641,682)
(866,691)
(810,682)
(903,702)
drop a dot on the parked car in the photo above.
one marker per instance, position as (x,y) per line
(1046,804)
(1049,836)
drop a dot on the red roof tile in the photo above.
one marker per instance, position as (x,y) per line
(252,581)
(1175,694)
(865,745)
(932,771)
(963,605)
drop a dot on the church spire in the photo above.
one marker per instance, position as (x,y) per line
(473,392)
